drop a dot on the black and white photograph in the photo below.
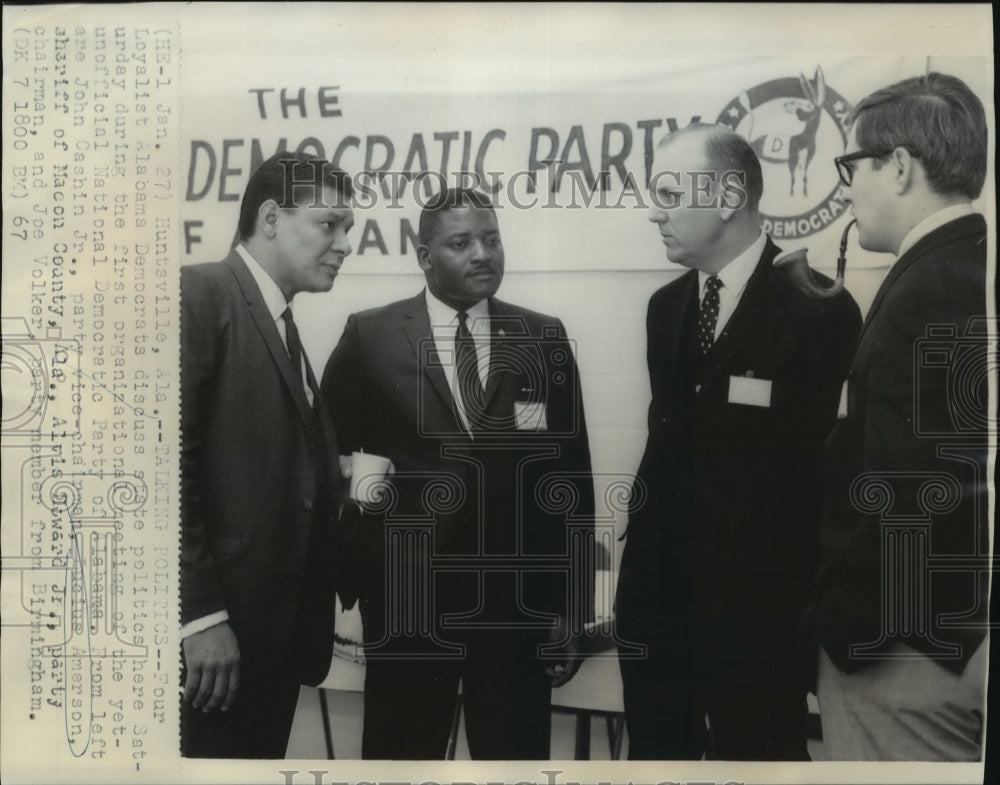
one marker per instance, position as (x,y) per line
(539,393)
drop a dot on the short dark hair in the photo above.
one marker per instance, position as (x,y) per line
(270,180)
(449,199)
(727,151)
(936,117)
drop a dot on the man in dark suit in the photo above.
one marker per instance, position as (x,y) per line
(259,467)
(467,570)
(745,370)
(901,607)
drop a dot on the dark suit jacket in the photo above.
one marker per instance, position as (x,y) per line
(259,478)
(722,531)
(497,495)
(916,414)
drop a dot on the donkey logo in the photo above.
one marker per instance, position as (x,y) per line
(792,140)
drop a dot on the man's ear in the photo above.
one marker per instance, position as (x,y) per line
(267,218)
(732,195)
(726,208)
(729,202)
(423,257)
(904,169)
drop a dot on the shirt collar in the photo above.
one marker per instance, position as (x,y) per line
(443,315)
(934,221)
(273,298)
(734,276)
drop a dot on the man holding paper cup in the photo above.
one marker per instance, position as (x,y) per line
(464,560)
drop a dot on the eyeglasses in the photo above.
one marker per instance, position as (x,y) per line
(846,171)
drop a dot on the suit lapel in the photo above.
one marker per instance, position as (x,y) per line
(945,234)
(417,326)
(502,327)
(323,416)
(675,329)
(272,339)
(752,307)
(670,343)
(901,265)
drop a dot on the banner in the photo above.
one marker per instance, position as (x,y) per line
(570,168)
(130,132)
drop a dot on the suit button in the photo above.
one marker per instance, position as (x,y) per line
(307,505)
(697,388)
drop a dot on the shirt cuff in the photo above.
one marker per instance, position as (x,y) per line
(202,624)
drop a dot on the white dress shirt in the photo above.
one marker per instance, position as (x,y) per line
(444,324)
(276,305)
(734,277)
(931,222)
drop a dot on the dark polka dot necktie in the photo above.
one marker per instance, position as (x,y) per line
(709,314)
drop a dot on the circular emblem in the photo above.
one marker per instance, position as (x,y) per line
(796,127)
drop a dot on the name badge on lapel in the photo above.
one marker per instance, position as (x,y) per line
(530,416)
(749,391)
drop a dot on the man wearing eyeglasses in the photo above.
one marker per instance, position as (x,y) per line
(900,610)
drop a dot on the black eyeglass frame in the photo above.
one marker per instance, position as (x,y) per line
(846,173)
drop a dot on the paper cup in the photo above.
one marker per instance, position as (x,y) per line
(367,475)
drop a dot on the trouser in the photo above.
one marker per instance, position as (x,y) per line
(907,707)
(257,725)
(752,715)
(410,700)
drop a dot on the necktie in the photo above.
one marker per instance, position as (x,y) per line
(295,353)
(708,316)
(294,345)
(319,441)
(467,373)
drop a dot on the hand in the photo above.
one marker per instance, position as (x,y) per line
(562,671)
(212,658)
